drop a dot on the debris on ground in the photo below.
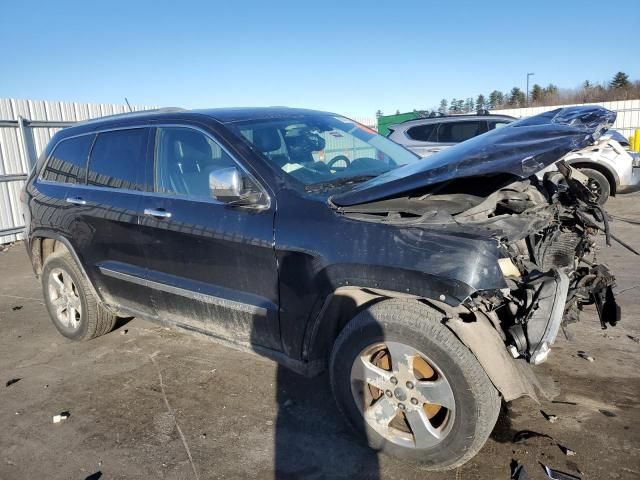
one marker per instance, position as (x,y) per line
(203,435)
(566,450)
(17,307)
(549,417)
(518,472)
(269,422)
(558,475)
(125,331)
(586,356)
(561,402)
(60,417)
(12,381)
(607,413)
(635,339)
(523,435)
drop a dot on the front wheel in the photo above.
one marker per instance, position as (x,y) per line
(598,184)
(414,391)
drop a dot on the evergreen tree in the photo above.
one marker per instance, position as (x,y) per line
(379,113)
(516,97)
(397,112)
(550,89)
(460,105)
(496,99)
(469,105)
(620,80)
(453,108)
(481,103)
(443,106)
(536,93)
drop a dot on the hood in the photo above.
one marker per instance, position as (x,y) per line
(519,149)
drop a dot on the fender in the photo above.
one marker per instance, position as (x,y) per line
(355,287)
(35,252)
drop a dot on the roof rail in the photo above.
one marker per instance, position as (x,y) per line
(133,114)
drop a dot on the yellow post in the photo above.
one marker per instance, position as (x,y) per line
(632,144)
(636,140)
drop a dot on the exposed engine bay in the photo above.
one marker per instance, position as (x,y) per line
(546,232)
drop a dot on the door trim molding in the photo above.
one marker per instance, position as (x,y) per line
(203,297)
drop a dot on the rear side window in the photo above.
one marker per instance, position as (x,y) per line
(423,133)
(455,132)
(118,159)
(68,161)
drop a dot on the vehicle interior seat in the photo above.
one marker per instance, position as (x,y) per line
(189,161)
(269,142)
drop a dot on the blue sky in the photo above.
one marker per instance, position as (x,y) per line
(351,57)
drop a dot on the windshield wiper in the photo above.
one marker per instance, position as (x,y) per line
(338,182)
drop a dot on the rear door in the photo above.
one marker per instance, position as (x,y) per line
(212,266)
(104,214)
(421,139)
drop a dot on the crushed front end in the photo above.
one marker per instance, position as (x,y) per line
(548,232)
(545,229)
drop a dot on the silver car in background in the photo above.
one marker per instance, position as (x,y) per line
(426,136)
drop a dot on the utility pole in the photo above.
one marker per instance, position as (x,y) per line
(527,98)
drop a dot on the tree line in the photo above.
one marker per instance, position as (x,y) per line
(620,87)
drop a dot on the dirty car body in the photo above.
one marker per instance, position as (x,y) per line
(280,229)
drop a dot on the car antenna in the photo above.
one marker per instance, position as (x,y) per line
(128,104)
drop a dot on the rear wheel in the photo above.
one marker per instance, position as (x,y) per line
(406,383)
(598,184)
(73,308)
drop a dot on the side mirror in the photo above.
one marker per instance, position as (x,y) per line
(225,184)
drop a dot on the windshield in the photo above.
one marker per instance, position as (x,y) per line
(322,149)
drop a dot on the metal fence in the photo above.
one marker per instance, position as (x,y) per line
(26,126)
(627,121)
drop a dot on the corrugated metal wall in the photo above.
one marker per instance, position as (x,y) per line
(627,121)
(15,143)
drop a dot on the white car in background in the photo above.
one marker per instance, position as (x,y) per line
(611,167)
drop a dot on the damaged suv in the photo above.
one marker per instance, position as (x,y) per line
(428,289)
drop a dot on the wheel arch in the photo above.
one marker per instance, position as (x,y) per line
(512,378)
(610,174)
(44,244)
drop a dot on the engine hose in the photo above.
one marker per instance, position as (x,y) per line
(605,220)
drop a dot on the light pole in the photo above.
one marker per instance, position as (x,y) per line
(527,99)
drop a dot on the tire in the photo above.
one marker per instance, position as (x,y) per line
(91,319)
(475,401)
(599,183)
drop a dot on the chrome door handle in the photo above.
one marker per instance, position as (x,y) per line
(157,213)
(76,201)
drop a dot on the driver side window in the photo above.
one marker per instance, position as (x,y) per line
(184,159)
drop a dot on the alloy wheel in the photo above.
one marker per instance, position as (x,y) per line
(403,395)
(63,295)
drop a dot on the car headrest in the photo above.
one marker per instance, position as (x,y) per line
(266,139)
(190,149)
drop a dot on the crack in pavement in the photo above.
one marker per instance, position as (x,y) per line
(620,292)
(171,412)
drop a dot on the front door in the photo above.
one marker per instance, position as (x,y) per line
(211,266)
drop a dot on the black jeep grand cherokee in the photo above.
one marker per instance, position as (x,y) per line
(427,288)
